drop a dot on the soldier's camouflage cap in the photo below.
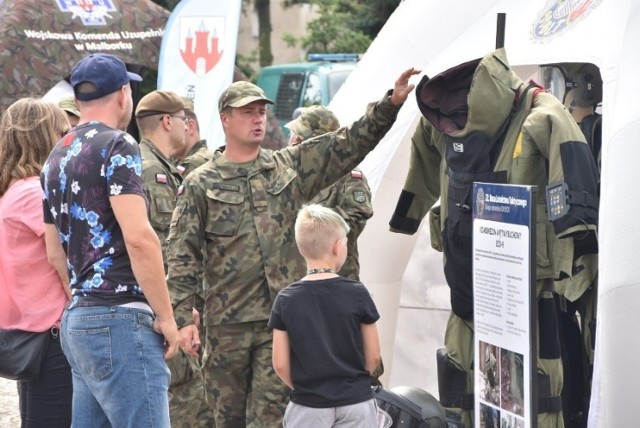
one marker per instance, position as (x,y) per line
(68,104)
(313,121)
(159,102)
(240,94)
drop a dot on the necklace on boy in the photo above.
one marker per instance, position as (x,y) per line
(320,270)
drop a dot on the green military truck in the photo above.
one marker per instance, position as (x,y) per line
(306,83)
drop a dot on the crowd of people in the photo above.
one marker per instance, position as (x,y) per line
(190,287)
(156,264)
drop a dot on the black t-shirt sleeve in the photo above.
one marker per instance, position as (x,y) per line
(275,319)
(369,311)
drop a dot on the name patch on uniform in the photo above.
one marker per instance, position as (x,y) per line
(359,196)
(229,187)
(356,174)
(161,178)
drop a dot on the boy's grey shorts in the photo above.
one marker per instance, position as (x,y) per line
(360,415)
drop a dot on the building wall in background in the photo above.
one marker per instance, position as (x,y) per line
(292,20)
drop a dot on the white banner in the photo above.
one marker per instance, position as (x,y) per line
(197,58)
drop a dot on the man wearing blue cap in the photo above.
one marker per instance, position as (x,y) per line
(120,323)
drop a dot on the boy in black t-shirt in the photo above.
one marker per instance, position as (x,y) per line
(325,340)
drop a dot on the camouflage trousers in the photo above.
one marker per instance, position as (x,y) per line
(188,407)
(459,347)
(242,388)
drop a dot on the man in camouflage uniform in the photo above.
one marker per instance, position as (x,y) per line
(492,127)
(196,150)
(234,221)
(161,119)
(350,196)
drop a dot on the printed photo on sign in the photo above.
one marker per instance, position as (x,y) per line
(490,373)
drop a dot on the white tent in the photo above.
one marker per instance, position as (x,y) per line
(404,275)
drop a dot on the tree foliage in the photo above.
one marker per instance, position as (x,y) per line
(342,25)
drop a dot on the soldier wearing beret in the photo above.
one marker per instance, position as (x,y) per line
(162,122)
(234,224)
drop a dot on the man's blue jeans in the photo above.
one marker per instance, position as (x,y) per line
(120,378)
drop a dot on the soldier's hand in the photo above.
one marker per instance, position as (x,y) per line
(190,340)
(169,330)
(402,88)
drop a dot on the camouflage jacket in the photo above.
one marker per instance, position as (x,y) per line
(161,181)
(351,198)
(234,222)
(198,155)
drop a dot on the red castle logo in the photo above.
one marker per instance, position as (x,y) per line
(204,55)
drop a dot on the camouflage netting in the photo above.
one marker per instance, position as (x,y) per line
(40,42)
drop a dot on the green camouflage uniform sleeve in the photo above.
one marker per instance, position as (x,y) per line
(353,203)
(423,184)
(199,155)
(322,160)
(185,255)
(353,200)
(160,187)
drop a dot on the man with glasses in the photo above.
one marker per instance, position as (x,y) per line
(162,123)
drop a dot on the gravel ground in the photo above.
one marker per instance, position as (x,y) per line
(9,412)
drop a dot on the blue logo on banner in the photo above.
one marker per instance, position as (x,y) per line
(90,12)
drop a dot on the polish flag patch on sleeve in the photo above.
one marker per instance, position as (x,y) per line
(161,178)
(356,174)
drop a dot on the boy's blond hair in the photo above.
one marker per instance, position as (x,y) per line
(317,228)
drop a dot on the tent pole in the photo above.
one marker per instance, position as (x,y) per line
(502,19)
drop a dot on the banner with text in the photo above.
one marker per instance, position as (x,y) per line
(42,41)
(197,57)
(504,303)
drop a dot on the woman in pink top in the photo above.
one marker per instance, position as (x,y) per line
(32,293)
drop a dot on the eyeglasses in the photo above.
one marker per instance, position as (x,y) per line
(185,119)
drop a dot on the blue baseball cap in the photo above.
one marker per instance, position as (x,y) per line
(107,73)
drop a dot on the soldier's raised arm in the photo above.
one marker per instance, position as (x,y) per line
(321,161)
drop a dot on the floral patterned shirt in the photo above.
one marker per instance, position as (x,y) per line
(92,163)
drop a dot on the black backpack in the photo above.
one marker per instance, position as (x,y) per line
(410,407)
